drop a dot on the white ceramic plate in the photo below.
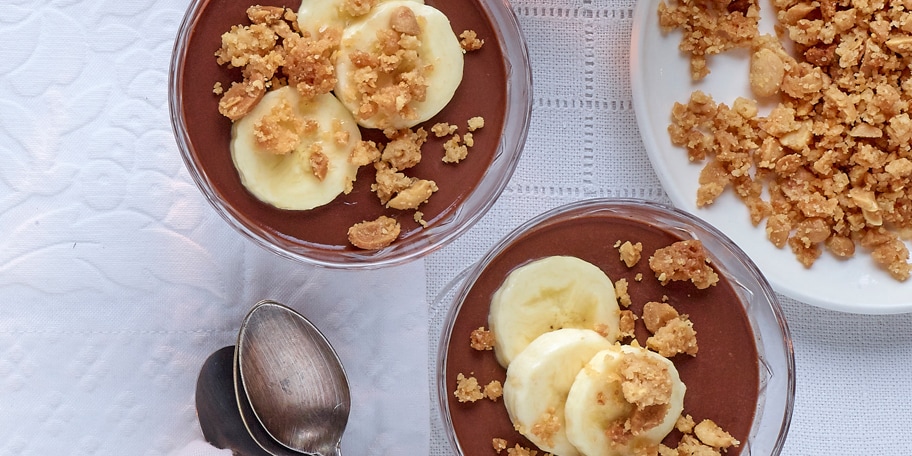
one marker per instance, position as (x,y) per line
(660,76)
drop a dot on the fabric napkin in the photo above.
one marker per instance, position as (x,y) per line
(117,279)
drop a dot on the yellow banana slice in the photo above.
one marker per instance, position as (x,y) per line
(294,154)
(398,65)
(539,379)
(315,16)
(602,417)
(551,293)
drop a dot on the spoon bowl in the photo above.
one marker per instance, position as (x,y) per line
(293,380)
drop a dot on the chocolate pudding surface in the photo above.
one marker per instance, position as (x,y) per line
(481,93)
(722,380)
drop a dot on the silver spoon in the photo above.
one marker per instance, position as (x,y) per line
(225,415)
(293,380)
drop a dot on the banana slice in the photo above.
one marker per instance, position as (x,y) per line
(538,382)
(399,65)
(600,418)
(294,154)
(551,293)
(315,16)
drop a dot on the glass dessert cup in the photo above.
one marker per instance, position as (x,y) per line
(589,229)
(319,236)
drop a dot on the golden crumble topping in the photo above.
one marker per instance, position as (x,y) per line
(548,424)
(657,314)
(674,337)
(442,129)
(280,130)
(493,390)
(621,287)
(467,389)
(521,451)
(645,380)
(685,424)
(683,260)
(630,253)
(482,339)
(627,324)
(375,234)
(711,434)
(476,123)
(499,445)
(709,27)
(455,150)
(404,149)
(828,168)
(470,41)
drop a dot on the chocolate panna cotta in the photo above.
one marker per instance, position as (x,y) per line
(482,93)
(722,380)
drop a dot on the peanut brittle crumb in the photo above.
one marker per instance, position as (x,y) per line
(319,162)
(467,389)
(217,88)
(703,439)
(684,260)
(710,27)
(833,155)
(280,130)
(685,424)
(482,339)
(375,234)
(403,151)
(667,451)
(711,434)
(476,123)
(493,390)
(419,219)
(548,424)
(521,451)
(630,253)
(657,314)
(638,277)
(674,337)
(400,61)
(271,49)
(621,289)
(365,153)
(645,380)
(627,324)
(647,386)
(417,193)
(691,446)
(443,129)
(455,150)
(499,445)
(470,41)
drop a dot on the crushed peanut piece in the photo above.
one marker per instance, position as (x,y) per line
(493,390)
(711,434)
(657,314)
(683,260)
(621,287)
(499,444)
(547,425)
(470,41)
(676,336)
(482,339)
(375,234)
(627,324)
(630,253)
(829,166)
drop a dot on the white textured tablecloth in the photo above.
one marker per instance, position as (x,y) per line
(117,279)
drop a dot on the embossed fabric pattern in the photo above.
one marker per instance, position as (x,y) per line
(117,279)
